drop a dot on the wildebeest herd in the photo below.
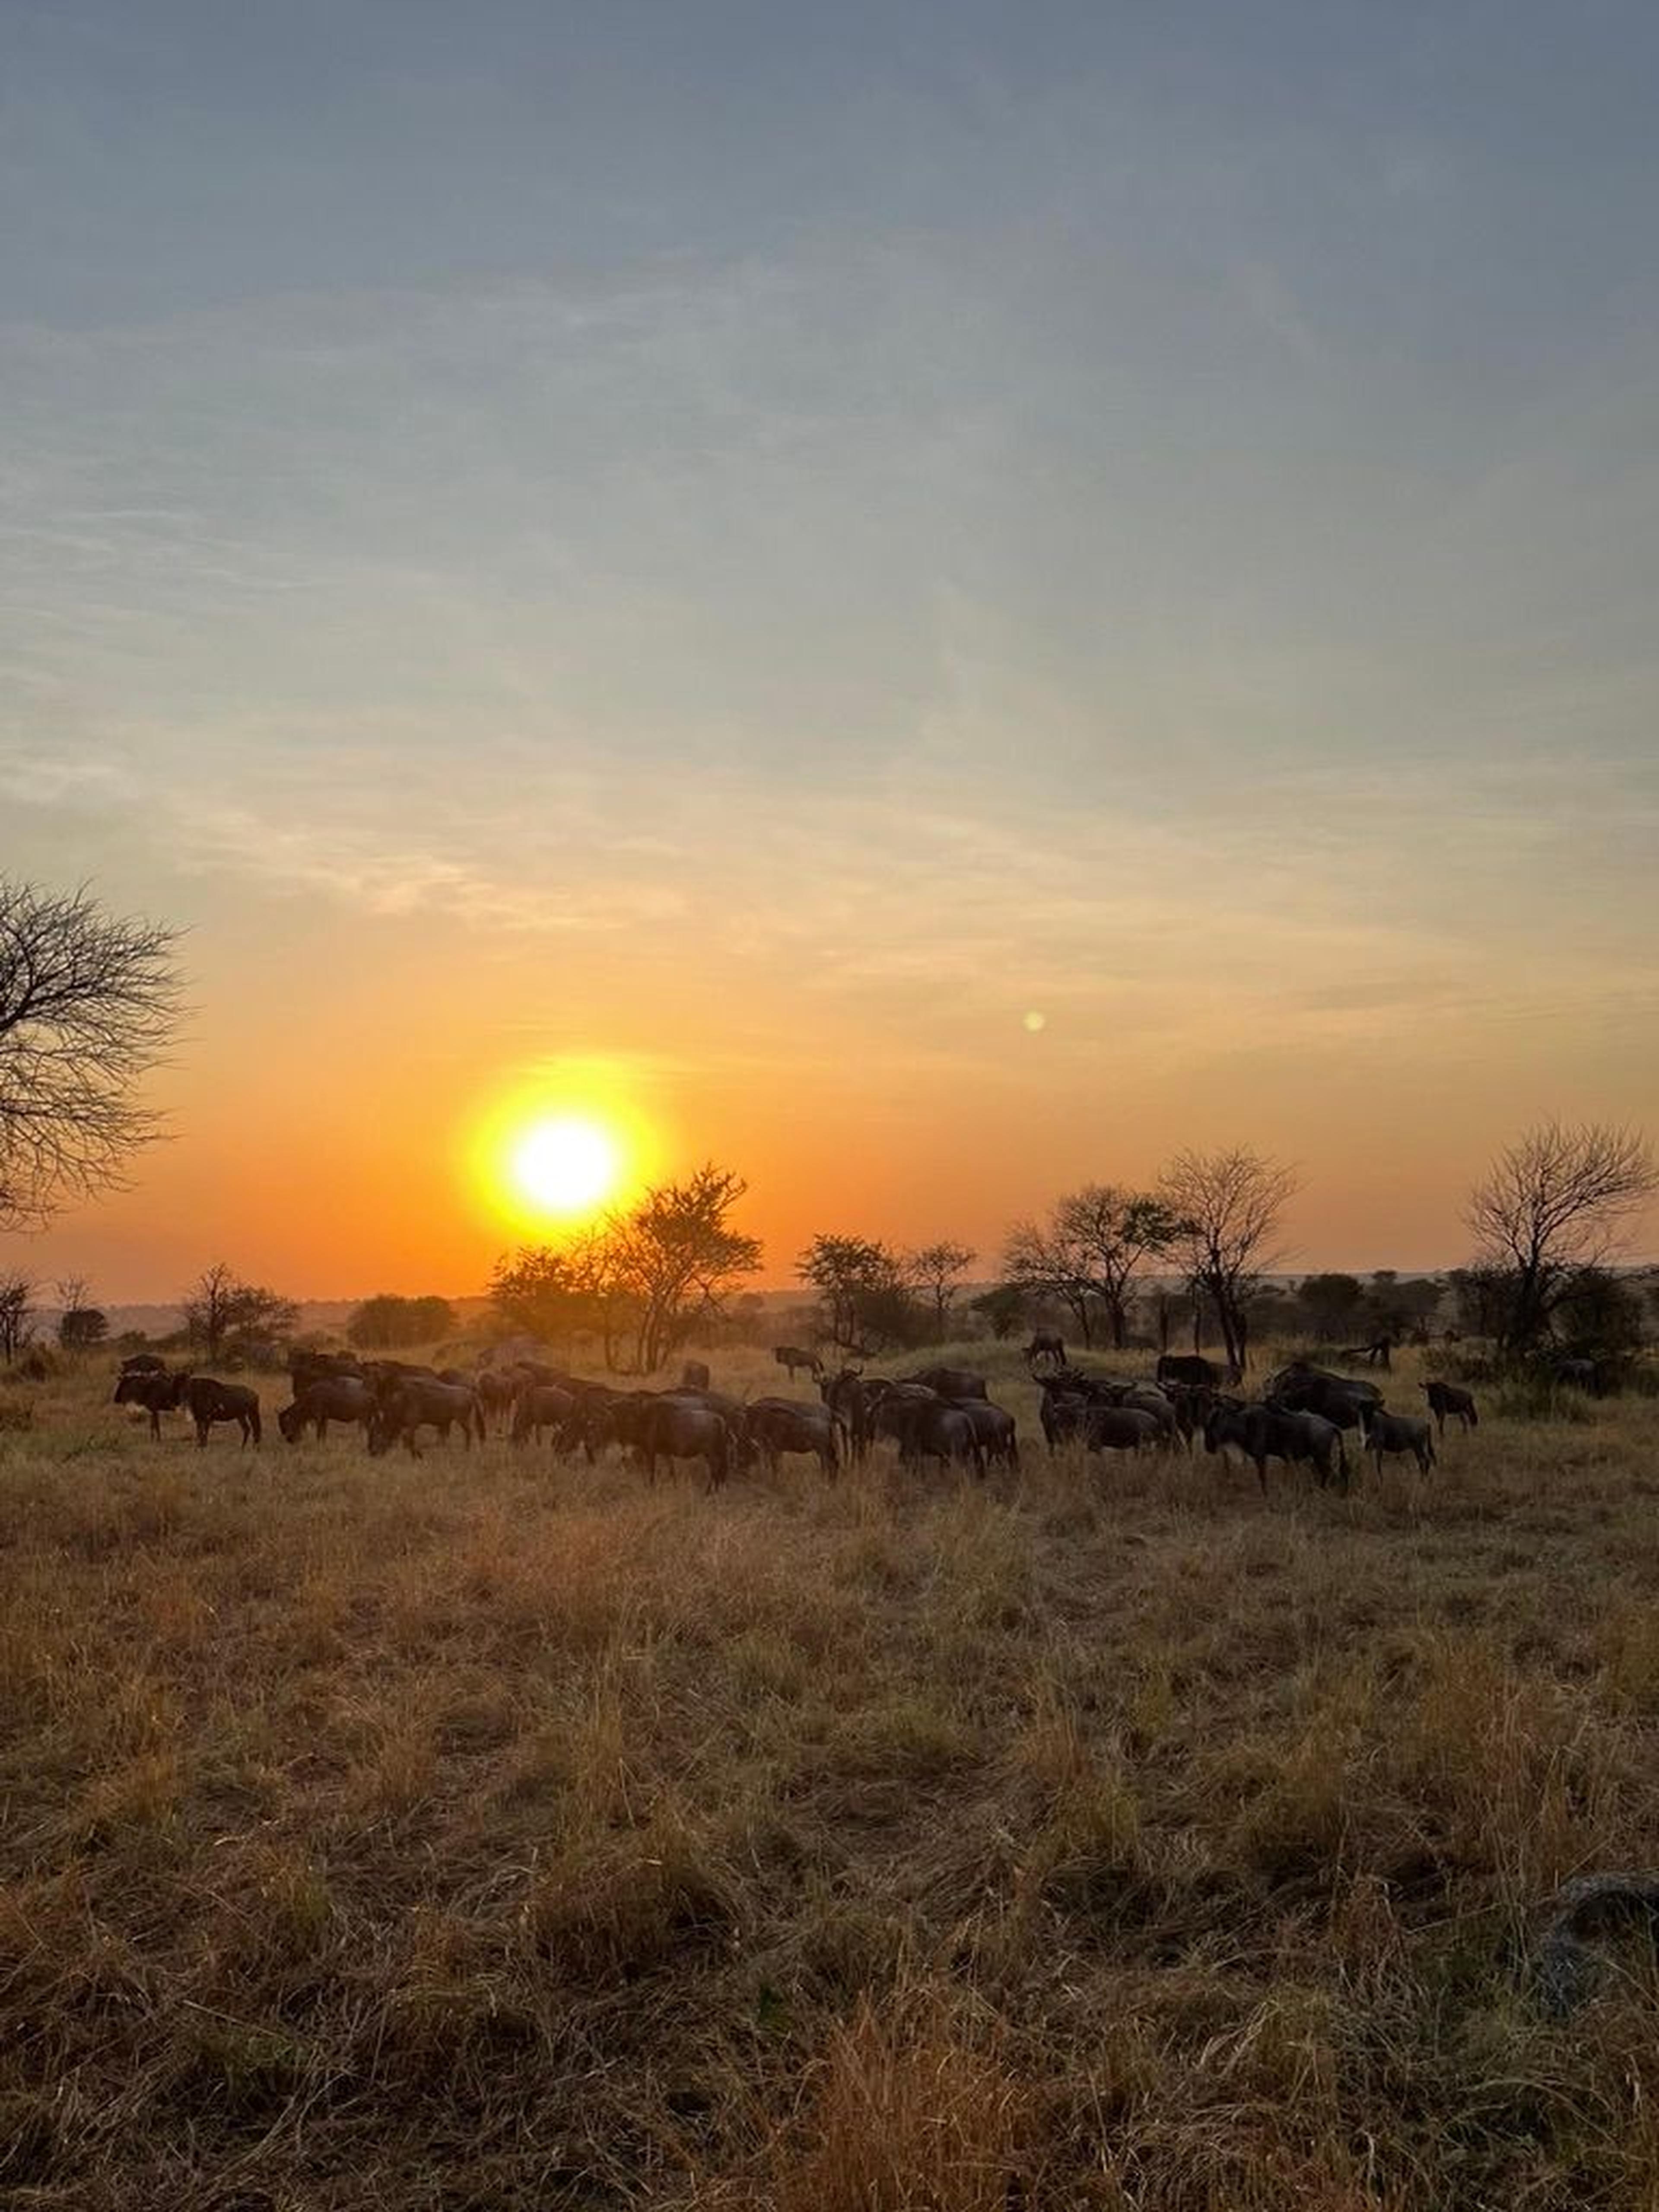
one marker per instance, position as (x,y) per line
(1304,1416)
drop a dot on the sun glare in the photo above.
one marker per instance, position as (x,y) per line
(566,1165)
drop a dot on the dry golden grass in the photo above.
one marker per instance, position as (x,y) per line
(493,1832)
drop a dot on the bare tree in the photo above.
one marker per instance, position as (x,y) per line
(16,1314)
(935,1268)
(221,1308)
(1225,1208)
(87,1001)
(1561,1198)
(679,1256)
(1089,1252)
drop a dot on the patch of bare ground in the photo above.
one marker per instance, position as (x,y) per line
(497,1831)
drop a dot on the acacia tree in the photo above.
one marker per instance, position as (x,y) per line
(934,1269)
(561,1292)
(220,1308)
(1559,1200)
(88,999)
(864,1298)
(1225,1209)
(679,1256)
(1087,1255)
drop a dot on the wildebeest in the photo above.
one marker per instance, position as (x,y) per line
(1342,1399)
(694,1376)
(496,1389)
(1193,1367)
(338,1398)
(153,1388)
(927,1426)
(776,1425)
(792,1357)
(1045,1345)
(410,1402)
(541,1405)
(143,1363)
(950,1382)
(1264,1432)
(671,1428)
(1397,1433)
(994,1430)
(1118,1428)
(207,1401)
(853,1397)
(1578,1374)
(1448,1399)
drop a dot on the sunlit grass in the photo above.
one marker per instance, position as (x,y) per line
(495,1831)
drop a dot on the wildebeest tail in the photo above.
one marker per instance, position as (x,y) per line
(253,1419)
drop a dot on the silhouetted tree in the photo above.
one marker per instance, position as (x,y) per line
(1560,1198)
(935,1268)
(680,1257)
(16,1314)
(222,1312)
(1089,1251)
(385,1323)
(87,1001)
(1003,1309)
(1226,1207)
(866,1303)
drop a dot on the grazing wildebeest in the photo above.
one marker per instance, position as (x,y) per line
(1578,1374)
(694,1376)
(1397,1433)
(207,1401)
(1342,1399)
(542,1406)
(417,1402)
(1264,1432)
(775,1425)
(927,1426)
(993,1426)
(792,1357)
(1447,1400)
(337,1398)
(151,1387)
(682,1428)
(852,1398)
(1045,1345)
(1148,1397)
(496,1389)
(1118,1428)
(1193,1367)
(950,1382)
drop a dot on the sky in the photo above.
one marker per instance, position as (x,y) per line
(932,601)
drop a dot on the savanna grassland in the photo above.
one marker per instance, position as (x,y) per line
(495,1831)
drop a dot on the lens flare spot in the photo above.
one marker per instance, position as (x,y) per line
(1035,1021)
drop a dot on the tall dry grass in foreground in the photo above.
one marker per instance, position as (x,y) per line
(495,1832)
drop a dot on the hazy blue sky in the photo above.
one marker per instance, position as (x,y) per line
(762,544)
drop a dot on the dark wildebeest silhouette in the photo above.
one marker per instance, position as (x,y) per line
(1045,1345)
(694,1376)
(1118,1428)
(337,1398)
(1193,1367)
(671,1427)
(208,1401)
(776,1425)
(1340,1398)
(792,1357)
(543,1405)
(1264,1432)
(1578,1375)
(1396,1434)
(927,1426)
(994,1428)
(417,1402)
(153,1388)
(1448,1401)
(950,1382)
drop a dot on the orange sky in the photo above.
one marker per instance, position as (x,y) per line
(758,557)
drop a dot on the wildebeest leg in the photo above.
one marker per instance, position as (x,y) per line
(1261,1472)
(202,1428)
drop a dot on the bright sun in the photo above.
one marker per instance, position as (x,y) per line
(565,1164)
